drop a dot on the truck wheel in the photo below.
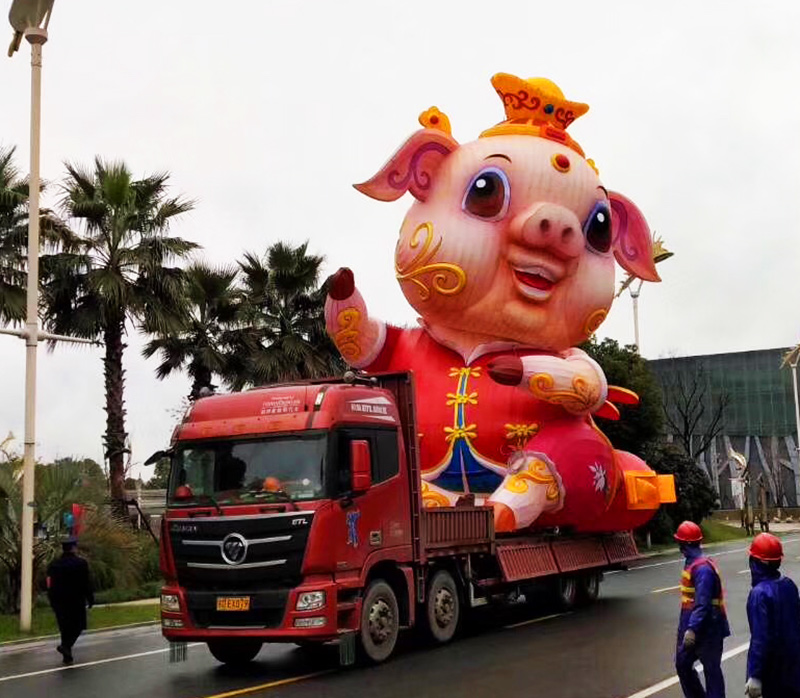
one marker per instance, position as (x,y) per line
(443,607)
(589,587)
(380,622)
(565,590)
(235,652)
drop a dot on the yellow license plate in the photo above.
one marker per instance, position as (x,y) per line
(233,603)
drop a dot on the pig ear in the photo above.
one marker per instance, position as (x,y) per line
(633,245)
(412,168)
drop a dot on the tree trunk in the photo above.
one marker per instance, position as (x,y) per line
(115,413)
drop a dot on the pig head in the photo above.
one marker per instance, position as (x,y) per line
(512,237)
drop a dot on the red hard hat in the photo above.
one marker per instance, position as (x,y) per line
(689,532)
(766,547)
(183,492)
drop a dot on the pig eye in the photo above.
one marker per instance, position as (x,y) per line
(598,228)
(487,194)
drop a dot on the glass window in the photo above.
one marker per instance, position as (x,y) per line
(384,454)
(268,469)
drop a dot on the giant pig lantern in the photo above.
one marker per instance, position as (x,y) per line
(507,255)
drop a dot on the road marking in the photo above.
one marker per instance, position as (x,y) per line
(666,683)
(659,591)
(271,684)
(519,625)
(108,660)
(743,572)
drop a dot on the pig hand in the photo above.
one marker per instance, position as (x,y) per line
(573,380)
(358,337)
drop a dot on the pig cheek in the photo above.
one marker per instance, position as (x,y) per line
(589,298)
(445,268)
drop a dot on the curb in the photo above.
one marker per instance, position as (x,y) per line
(8,644)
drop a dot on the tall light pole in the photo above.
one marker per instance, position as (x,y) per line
(30,19)
(660,253)
(791,359)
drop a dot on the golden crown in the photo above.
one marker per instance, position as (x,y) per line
(535,107)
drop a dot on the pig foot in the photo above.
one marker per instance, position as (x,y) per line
(532,487)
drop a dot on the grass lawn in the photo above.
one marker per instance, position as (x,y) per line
(716,532)
(44,622)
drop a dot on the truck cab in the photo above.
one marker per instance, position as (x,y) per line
(280,502)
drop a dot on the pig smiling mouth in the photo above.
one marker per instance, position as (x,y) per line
(535,282)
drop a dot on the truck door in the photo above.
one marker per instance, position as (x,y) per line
(378,518)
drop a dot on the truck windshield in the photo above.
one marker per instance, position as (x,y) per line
(237,472)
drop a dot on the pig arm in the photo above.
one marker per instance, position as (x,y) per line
(358,337)
(572,379)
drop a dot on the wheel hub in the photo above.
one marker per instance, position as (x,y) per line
(381,621)
(443,607)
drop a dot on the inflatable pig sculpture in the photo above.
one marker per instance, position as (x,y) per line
(507,255)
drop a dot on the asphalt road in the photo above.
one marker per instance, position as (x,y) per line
(621,647)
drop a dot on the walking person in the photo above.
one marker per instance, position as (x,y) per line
(773,612)
(70,591)
(703,623)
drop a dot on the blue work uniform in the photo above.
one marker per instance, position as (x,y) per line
(773,612)
(703,611)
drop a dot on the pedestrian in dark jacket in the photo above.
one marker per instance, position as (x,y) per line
(773,612)
(70,591)
(703,624)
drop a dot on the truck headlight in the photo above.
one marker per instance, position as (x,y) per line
(170,603)
(310,601)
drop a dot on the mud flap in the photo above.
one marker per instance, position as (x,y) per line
(177,652)
(347,649)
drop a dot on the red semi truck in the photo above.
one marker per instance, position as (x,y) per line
(294,515)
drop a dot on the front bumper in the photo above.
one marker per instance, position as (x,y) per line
(276,624)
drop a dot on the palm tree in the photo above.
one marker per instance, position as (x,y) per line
(283,336)
(14,237)
(212,303)
(117,275)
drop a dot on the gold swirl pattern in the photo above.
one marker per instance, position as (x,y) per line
(448,279)
(594,321)
(537,473)
(461,399)
(431,499)
(346,338)
(584,393)
(467,432)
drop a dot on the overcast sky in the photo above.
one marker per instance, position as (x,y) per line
(267,113)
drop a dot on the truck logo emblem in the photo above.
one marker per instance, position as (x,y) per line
(234,548)
(352,531)
(299,522)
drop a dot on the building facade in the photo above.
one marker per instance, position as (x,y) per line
(758,420)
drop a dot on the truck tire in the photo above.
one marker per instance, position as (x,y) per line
(565,592)
(380,622)
(236,651)
(443,607)
(589,587)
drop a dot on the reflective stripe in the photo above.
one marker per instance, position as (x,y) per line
(688,590)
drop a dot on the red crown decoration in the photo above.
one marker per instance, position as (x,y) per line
(535,107)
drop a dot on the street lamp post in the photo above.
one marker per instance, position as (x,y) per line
(791,359)
(30,19)
(660,253)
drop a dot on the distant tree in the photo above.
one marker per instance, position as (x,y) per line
(160,479)
(199,345)
(640,425)
(695,495)
(119,275)
(282,335)
(692,413)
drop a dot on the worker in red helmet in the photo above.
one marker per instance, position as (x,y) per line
(703,624)
(773,612)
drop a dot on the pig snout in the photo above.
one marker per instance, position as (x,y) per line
(549,227)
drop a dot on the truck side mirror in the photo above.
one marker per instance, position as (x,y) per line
(360,466)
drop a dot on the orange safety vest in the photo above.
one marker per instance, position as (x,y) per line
(687,585)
